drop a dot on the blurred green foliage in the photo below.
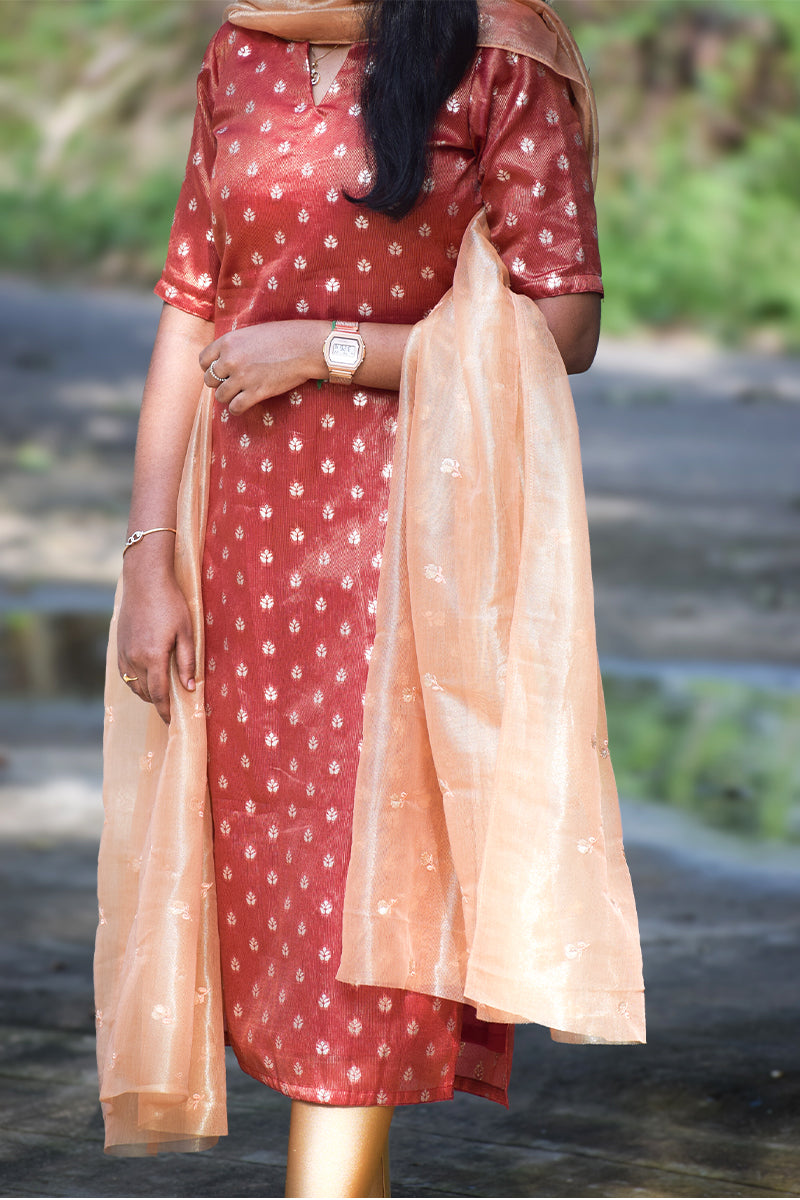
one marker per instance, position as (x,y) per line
(721,749)
(699,193)
(96,105)
(699,190)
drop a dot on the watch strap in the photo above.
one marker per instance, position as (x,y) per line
(340,376)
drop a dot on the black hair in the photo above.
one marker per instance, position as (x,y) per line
(417,54)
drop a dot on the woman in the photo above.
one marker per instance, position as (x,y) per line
(330,180)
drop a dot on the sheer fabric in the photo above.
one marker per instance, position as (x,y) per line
(158,994)
(487,861)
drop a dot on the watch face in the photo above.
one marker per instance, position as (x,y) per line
(344,351)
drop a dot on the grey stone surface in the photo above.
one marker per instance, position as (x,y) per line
(709,1107)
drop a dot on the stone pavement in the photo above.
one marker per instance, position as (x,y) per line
(710,1107)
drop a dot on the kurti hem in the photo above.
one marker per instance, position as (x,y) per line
(368,1098)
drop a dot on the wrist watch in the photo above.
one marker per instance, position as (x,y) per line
(343,351)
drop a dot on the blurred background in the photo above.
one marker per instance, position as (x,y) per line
(689,421)
(689,418)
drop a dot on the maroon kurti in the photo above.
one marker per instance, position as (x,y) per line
(299,492)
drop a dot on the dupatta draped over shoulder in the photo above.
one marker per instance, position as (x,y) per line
(487,863)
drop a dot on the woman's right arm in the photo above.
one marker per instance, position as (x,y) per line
(154,618)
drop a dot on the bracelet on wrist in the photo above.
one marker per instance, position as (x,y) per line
(138,534)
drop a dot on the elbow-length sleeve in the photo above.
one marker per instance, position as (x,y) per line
(191,271)
(535,175)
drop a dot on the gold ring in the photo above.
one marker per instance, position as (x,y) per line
(129,678)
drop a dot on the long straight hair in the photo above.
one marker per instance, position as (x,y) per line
(417,54)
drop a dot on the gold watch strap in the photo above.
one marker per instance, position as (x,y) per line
(335,376)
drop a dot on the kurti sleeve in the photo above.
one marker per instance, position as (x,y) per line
(534,175)
(191,270)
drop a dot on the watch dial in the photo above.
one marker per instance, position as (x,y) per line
(344,352)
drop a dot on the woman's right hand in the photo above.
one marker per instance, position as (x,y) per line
(153,623)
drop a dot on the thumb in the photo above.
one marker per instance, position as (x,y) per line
(185,657)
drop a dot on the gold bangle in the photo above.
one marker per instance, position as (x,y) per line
(138,534)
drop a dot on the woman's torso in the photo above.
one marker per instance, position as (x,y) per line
(283,241)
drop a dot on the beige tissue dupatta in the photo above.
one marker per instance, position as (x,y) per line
(158,992)
(487,861)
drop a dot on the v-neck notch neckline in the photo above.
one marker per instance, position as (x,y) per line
(325,99)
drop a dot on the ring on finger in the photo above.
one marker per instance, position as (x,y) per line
(213,373)
(129,678)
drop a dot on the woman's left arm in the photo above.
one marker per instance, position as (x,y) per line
(574,321)
(261,361)
(537,187)
(266,360)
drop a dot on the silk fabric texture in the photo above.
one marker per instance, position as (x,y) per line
(487,861)
(527,27)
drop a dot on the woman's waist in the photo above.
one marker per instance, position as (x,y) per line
(316,418)
(392,298)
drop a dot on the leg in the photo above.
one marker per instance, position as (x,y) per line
(381,1184)
(337,1151)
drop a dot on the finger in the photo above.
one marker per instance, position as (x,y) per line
(144,672)
(209,353)
(215,376)
(139,688)
(185,658)
(240,404)
(158,690)
(226,390)
(131,677)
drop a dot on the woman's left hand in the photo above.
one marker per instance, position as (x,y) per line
(261,361)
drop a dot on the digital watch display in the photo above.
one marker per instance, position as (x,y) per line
(343,351)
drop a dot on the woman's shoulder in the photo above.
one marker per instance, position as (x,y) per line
(216,52)
(221,42)
(498,66)
(503,81)
(531,30)
(233,48)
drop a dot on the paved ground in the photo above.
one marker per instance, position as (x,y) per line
(691,470)
(710,1107)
